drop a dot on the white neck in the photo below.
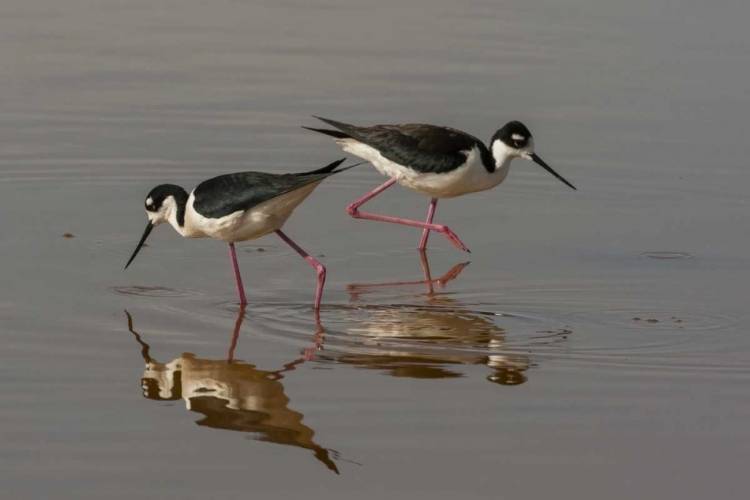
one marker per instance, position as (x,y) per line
(170,209)
(502,155)
(173,222)
(189,230)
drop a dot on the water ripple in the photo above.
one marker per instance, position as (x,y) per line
(157,292)
(670,320)
(512,333)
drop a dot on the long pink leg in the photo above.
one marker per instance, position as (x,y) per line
(426,232)
(352,210)
(236,267)
(317,265)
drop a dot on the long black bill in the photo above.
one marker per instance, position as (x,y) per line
(546,167)
(140,243)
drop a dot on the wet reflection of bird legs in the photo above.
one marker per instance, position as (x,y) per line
(356,288)
(235,333)
(232,395)
(428,334)
(309,353)
(318,338)
(444,279)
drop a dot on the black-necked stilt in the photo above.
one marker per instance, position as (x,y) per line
(439,162)
(237,207)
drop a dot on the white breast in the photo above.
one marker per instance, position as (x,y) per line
(469,178)
(246,225)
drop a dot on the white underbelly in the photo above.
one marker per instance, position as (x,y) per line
(469,178)
(254,223)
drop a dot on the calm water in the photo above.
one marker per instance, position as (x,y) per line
(558,359)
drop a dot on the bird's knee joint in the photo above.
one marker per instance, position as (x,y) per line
(352,210)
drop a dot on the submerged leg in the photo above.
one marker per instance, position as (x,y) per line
(352,210)
(426,232)
(317,265)
(236,267)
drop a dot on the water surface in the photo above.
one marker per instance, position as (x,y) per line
(575,352)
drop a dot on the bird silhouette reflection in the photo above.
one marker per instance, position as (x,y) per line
(430,335)
(232,395)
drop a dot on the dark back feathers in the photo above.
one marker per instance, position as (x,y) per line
(230,193)
(422,147)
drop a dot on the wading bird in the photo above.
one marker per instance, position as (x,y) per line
(439,162)
(237,207)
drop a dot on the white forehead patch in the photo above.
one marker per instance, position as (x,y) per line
(518,137)
(149,201)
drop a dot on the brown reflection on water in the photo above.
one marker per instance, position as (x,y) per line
(506,371)
(231,395)
(430,336)
(430,342)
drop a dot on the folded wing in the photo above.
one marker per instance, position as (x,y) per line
(422,147)
(230,193)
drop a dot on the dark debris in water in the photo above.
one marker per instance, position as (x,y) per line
(674,319)
(68,235)
(667,255)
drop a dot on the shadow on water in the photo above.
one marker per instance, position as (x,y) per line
(232,395)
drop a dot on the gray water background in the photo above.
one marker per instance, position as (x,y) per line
(561,361)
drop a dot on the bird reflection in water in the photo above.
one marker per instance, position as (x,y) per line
(431,333)
(357,289)
(232,395)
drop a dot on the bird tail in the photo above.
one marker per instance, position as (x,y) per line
(345,131)
(331,168)
(333,133)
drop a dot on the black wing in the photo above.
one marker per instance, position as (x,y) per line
(422,147)
(230,193)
